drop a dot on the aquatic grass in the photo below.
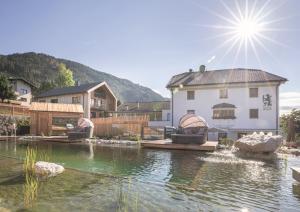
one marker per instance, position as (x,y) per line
(126,201)
(31,182)
(30,159)
(30,189)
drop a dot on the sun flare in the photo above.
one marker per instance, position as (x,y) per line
(245,28)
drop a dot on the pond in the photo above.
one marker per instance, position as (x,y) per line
(127,178)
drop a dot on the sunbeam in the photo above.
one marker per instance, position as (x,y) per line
(246,27)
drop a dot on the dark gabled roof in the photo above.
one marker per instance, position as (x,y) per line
(144,106)
(22,79)
(224,76)
(223,105)
(68,90)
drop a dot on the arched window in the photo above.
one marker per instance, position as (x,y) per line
(223,111)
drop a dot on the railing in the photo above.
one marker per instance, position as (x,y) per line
(13,109)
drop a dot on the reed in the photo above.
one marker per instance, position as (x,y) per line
(30,189)
(31,182)
(30,159)
(126,200)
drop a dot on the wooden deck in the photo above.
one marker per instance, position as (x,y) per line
(167,144)
(59,139)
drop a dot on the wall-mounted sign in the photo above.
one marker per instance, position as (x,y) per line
(267,102)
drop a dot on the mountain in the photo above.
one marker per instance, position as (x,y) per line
(37,68)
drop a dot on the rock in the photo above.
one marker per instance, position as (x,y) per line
(259,143)
(48,169)
(296,173)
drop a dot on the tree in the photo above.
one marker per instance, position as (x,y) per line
(45,86)
(6,90)
(65,77)
(290,124)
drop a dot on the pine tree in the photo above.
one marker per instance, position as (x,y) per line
(6,90)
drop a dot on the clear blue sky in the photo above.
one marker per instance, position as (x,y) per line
(149,41)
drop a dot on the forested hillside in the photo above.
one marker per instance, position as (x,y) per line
(38,68)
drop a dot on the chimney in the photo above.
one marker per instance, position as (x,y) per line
(77,83)
(202,68)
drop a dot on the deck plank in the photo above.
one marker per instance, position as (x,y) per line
(167,144)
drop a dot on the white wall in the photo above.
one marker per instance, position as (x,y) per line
(18,88)
(207,97)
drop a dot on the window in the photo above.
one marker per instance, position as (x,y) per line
(253,113)
(223,93)
(23,91)
(253,92)
(75,99)
(42,100)
(223,114)
(190,111)
(54,100)
(190,95)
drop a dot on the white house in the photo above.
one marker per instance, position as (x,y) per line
(23,90)
(97,99)
(232,101)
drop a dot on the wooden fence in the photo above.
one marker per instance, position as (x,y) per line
(13,110)
(120,126)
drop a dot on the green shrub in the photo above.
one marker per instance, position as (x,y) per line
(226,141)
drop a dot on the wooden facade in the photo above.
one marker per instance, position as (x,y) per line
(51,119)
(118,126)
(11,109)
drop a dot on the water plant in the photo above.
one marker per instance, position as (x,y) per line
(30,189)
(31,181)
(126,200)
(30,159)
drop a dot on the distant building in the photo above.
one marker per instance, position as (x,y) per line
(23,90)
(97,99)
(233,101)
(158,111)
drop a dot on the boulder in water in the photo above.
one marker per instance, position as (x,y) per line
(259,143)
(48,169)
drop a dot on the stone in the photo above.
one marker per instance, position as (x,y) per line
(259,143)
(296,173)
(47,169)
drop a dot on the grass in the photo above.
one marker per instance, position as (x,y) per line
(126,201)
(30,159)
(31,181)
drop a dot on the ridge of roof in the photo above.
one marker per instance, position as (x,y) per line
(234,75)
(68,90)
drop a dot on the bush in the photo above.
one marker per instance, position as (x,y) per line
(226,142)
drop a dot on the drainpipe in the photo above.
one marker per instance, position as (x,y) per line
(172,107)
(277,109)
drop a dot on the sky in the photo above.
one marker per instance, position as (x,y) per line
(149,41)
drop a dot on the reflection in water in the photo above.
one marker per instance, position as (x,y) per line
(30,189)
(161,179)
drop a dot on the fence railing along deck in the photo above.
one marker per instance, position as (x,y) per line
(13,110)
(118,126)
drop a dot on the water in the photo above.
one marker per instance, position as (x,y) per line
(133,179)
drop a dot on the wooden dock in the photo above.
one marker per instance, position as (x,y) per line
(167,144)
(59,139)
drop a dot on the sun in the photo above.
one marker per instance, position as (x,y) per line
(246,28)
